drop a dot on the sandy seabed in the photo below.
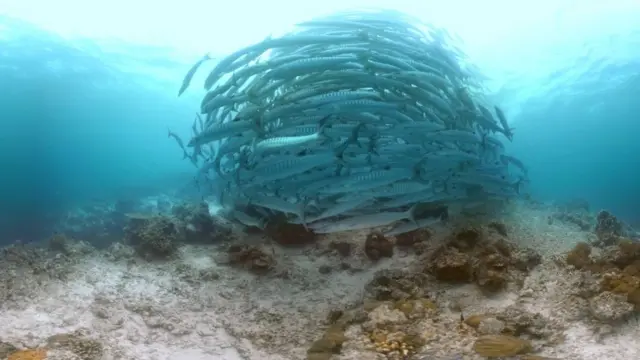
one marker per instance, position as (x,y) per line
(111,304)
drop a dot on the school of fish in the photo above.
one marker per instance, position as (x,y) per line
(355,120)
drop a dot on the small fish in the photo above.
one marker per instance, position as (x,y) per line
(222,131)
(507,131)
(180,144)
(364,221)
(187,79)
(409,226)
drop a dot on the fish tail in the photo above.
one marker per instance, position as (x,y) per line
(517,185)
(355,134)
(411,214)
(257,124)
(302,213)
(363,58)
(353,139)
(322,127)
(234,79)
(373,143)
(417,171)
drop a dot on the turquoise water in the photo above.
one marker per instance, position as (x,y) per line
(86,119)
(81,123)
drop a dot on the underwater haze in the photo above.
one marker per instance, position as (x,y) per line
(88,91)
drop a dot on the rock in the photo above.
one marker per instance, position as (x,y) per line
(84,348)
(343,248)
(491,326)
(153,237)
(251,258)
(330,343)
(396,285)
(383,315)
(499,227)
(6,349)
(610,308)
(608,228)
(475,320)
(287,234)
(413,237)
(452,266)
(520,322)
(376,247)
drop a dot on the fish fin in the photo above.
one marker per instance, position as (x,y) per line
(259,128)
(373,143)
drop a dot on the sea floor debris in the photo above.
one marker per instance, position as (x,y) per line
(331,300)
(351,121)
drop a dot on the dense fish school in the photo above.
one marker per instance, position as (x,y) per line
(355,120)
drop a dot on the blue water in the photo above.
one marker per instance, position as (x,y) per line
(86,120)
(81,123)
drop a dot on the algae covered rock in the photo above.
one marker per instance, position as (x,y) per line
(153,237)
(481,255)
(83,347)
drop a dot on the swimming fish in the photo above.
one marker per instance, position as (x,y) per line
(192,71)
(352,120)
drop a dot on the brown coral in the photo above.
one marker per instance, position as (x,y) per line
(475,255)
(343,248)
(618,268)
(580,256)
(501,345)
(330,343)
